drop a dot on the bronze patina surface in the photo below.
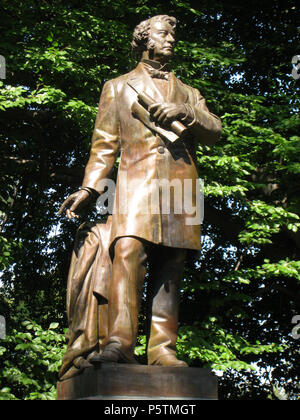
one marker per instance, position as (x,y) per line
(154,122)
(111,381)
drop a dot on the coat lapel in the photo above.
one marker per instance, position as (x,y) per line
(144,83)
(177,93)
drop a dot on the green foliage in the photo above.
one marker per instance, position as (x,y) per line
(215,348)
(29,361)
(240,295)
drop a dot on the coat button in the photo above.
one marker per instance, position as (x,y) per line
(161,149)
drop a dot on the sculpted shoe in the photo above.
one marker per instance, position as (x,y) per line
(169,360)
(81,363)
(111,355)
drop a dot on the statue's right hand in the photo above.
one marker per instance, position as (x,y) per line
(75,202)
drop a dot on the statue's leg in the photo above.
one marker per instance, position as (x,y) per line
(102,324)
(125,292)
(166,269)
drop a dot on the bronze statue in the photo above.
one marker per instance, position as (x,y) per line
(154,121)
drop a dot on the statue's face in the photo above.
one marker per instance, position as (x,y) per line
(161,40)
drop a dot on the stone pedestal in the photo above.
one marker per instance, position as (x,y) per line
(137,382)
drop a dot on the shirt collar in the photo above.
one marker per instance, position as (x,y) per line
(156,65)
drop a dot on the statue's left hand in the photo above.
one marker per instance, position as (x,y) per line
(166,113)
(75,202)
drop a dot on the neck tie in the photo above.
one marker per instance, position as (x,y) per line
(156,72)
(159,74)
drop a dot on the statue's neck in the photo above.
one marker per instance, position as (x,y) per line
(148,55)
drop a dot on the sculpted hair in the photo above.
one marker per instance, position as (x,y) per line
(141,33)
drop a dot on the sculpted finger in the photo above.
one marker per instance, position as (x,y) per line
(69,214)
(164,116)
(61,209)
(75,205)
(153,107)
(64,204)
(158,111)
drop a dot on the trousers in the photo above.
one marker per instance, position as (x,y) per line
(130,260)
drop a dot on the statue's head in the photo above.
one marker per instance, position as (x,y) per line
(155,36)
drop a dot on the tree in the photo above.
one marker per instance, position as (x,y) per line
(29,361)
(240,295)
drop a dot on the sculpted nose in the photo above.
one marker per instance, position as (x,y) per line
(170,38)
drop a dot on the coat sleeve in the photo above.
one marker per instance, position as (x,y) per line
(105,141)
(205,126)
